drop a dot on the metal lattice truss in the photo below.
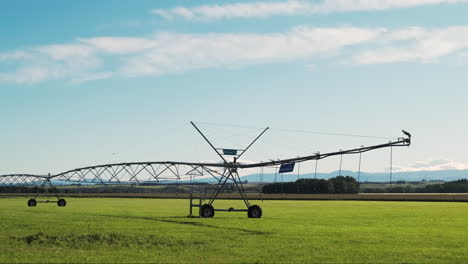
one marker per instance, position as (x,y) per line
(22,179)
(142,172)
(121,173)
(163,171)
(137,172)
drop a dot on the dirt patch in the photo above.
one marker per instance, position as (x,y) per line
(111,239)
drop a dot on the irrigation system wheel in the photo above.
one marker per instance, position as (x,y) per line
(255,211)
(207,211)
(61,202)
(32,202)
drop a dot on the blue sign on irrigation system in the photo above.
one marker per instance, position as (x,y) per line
(287,167)
(231,152)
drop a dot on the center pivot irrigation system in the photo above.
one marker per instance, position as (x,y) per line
(150,172)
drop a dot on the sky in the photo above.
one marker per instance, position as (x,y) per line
(92,82)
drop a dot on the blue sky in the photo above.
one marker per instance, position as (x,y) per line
(90,82)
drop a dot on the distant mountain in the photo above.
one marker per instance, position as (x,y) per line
(444,175)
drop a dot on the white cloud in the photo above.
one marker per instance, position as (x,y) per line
(267,9)
(15,55)
(419,45)
(182,52)
(173,52)
(433,165)
(51,62)
(27,75)
(119,45)
(252,9)
(64,52)
(91,77)
(406,34)
(89,59)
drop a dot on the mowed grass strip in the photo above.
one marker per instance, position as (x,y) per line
(117,230)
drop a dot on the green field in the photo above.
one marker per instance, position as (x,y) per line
(115,230)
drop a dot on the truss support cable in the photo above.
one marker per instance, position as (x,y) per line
(192,181)
(298,170)
(359,167)
(391,167)
(341,163)
(359,171)
(261,176)
(276,176)
(276,173)
(295,130)
(282,183)
(316,165)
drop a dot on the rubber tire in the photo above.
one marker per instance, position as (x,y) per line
(61,202)
(255,211)
(207,211)
(32,202)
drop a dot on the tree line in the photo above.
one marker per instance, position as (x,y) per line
(458,186)
(339,184)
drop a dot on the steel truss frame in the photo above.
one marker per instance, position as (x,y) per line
(160,171)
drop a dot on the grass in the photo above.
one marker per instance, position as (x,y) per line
(115,230)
